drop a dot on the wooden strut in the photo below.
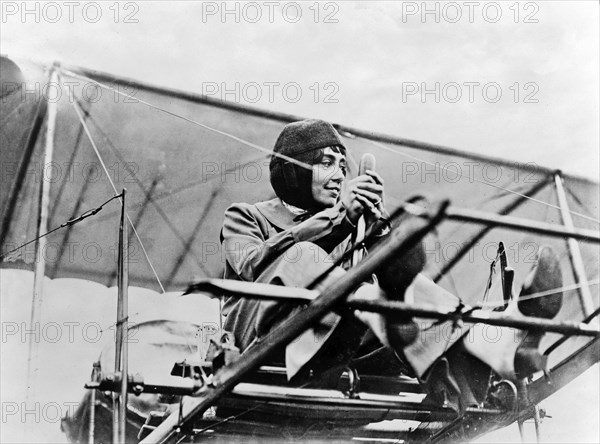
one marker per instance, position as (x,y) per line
(478,316)
(121,349)
(400,241)
(585,296)
(517,223)
(42,227)
(390,308)
(136,223)
(564,339)
(92,418)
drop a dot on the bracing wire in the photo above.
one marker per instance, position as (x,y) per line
(546,292)
(192,121)
(68,223)
(12,113)
(474,179)
(147,196)
(95,148)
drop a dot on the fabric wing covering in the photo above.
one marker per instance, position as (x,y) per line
(181,175)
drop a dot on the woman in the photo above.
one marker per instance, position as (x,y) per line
(292,239)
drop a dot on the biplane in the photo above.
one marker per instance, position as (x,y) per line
(76,143)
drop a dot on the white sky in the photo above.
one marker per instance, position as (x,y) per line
(372,57)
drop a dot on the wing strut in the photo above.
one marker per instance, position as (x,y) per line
(122,333)
(40,262)
(585,296)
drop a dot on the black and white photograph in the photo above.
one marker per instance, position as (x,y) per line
(300,221)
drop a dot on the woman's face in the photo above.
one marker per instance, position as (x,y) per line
(328,176)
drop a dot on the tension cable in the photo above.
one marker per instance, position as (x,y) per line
(68,223)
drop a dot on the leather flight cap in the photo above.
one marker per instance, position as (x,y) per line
(306,135)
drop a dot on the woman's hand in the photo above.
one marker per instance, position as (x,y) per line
(364,193)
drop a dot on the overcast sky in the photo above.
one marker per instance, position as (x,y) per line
(526,91)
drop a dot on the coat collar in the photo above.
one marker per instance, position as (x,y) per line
(277,214)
